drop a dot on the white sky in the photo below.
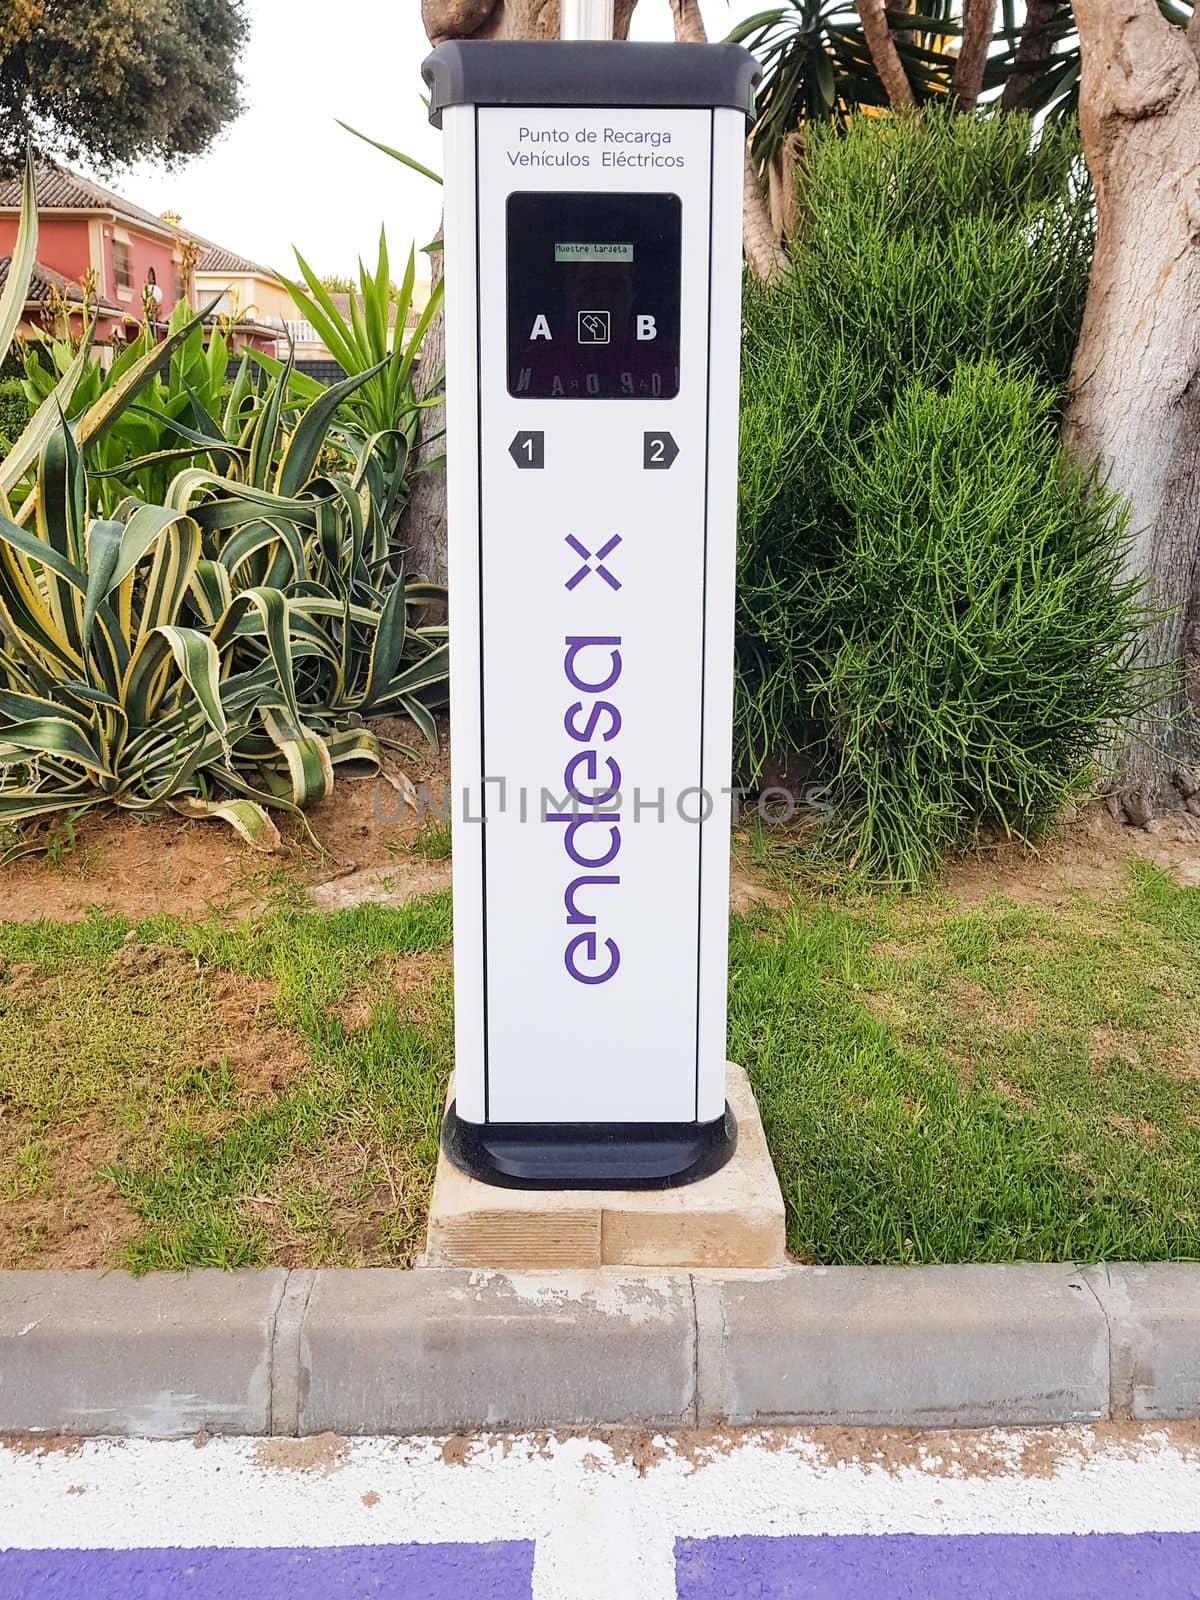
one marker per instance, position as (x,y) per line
(286,174)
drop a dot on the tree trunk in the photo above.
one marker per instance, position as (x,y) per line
(765,256)
(979,19)
(884,54)
(1033,51)
(1135,402)
(689,24)
(423,526)
(504,19)
(782,191)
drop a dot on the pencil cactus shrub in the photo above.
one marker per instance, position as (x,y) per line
(979,635)
(940,275)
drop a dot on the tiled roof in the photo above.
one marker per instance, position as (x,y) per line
(40,281)
(60,189)
(215,258)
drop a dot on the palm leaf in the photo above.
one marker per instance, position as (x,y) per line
(396,155)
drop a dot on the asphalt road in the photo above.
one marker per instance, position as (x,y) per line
(1112,1511)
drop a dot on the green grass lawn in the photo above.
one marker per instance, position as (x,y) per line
(999,1083)
(938,1083)
(232,1096)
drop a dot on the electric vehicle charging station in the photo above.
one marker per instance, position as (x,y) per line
(593,284)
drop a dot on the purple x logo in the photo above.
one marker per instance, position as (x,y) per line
(598,557)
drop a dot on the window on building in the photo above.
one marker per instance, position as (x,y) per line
(122,265)
(178,284)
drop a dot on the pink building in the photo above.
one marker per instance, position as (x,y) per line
(131,258)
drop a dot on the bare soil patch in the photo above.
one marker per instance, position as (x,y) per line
(59,1125)
(81,1222)
(1088,853)
(745,891)
(962,1453)
(319,1453)
(980,1006)
(142,866)
(367,832)
(406,983)
(243,1034)
(262,1056)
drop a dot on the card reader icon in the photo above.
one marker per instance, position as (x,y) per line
(593,327)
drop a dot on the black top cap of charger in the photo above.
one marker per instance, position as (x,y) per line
(589,72)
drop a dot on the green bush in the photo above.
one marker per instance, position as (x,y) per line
(895,524)
(14,411)
(979,627)
(12,363)
(940,239)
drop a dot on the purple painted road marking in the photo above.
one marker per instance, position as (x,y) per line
(911,1566)
(500,1571)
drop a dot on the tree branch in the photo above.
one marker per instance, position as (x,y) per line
(1033,51)
(884,54)
(979,20)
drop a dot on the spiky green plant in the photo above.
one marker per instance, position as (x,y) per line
(186,410)
(216,655)
(371,342)
(214,642)
(21,451)
(24,254)
(817,67)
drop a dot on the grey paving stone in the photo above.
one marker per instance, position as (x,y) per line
(162,1356)
(286,1365)
(922,1346)
(443,1350)
(1154,1326)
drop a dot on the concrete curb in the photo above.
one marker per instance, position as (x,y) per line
(446,1350)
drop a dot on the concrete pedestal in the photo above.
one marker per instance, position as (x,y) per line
(732,1219)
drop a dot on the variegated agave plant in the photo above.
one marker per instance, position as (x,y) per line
(216,654)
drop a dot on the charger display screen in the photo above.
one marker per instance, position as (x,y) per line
(593,295)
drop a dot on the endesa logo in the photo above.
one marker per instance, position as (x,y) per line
(592,806)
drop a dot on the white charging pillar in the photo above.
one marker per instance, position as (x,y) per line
(593,283)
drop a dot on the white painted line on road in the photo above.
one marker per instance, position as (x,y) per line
(604,1516)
